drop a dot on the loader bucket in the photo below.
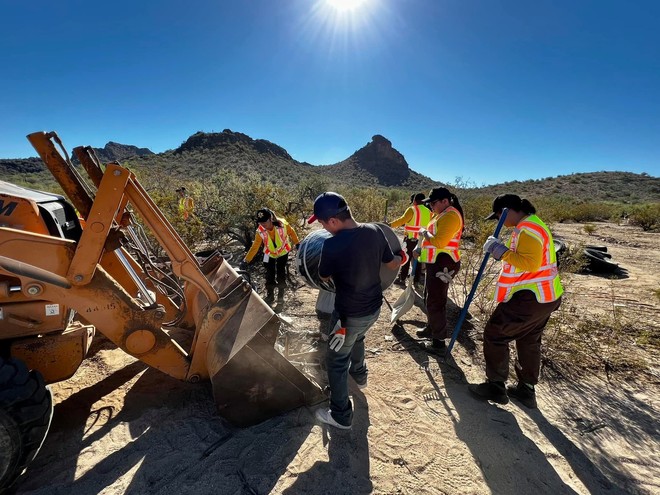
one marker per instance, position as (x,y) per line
(251,381)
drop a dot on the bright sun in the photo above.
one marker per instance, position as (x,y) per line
(346,5)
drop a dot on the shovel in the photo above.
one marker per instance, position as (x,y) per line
(407,298)
(480,273)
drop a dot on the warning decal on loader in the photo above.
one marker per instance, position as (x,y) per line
(52,309)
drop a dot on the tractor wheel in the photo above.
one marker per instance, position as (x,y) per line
(26,408)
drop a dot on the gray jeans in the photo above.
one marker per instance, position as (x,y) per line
(349,359)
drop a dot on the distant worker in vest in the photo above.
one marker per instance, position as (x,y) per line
(439,252)
(186,203)
(416,217)
(278,239)
(528,291)
(352,258)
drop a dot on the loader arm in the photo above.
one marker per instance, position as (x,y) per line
(230,330)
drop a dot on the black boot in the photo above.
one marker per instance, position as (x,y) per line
(494,391)
(280,294)
(424,333)
(523,393)
(270,296)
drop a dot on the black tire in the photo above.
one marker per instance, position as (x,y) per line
(26,407)
(597,263)
(599,254)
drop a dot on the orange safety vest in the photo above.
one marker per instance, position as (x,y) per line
(421,217)
(544,282)
(279,246)
(186,206)
(430,252)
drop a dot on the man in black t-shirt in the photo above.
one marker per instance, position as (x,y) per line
(351,258)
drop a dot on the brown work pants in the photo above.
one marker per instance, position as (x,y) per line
(522,318)
(435,294)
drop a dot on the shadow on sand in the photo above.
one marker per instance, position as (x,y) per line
(500,448)
(168,439)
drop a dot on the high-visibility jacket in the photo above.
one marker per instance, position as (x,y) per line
(421,217)
(544,282)
(186,206)
(430,252)
(280,245)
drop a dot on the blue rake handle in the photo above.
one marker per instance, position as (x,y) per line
(480,273)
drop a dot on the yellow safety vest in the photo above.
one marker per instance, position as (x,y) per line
(544,282)
(421,217)
(430,252)
(279,246)
(186,206)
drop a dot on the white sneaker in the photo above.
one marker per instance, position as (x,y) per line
(325,416)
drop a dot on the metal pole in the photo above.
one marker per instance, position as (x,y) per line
(480,273)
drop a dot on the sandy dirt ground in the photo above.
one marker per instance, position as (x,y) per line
(120,427)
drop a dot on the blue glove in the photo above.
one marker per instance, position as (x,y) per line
(495,247)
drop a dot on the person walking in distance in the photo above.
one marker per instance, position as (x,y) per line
(352,258)
(528,290)
(439,252)
(416,217)
(278,239)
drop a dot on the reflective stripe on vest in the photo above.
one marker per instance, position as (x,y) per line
(430,252)
(271,247)
(186,206)
(544,282)
(421,216)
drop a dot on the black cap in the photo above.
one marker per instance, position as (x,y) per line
(417,198)
(511,201)
(327,205)
(437,194)
(263,215)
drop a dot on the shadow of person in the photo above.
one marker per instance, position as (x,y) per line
(509,461)
(347,470)
(626,417)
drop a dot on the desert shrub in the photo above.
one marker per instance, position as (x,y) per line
(589,228)
(576,342)
(367,205)
(646,216)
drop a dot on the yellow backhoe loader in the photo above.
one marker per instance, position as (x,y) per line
(68,270)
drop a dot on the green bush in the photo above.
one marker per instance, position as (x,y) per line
(646,216)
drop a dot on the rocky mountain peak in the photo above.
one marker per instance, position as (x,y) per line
(116,152)
(213,140)
(380,159)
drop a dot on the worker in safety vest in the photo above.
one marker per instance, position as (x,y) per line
(439,252)
(528,290)
(186,203)
(416,217)
(278,238)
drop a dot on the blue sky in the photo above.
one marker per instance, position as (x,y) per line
(485,90)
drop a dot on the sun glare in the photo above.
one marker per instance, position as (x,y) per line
(346,5)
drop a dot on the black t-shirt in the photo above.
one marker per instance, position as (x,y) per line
(352,257)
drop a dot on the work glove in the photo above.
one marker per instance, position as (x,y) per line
(417,252)
(495,247)
(338,338)
(243,265)
(445,276)
(297,246)
(425,234)
(403,256)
